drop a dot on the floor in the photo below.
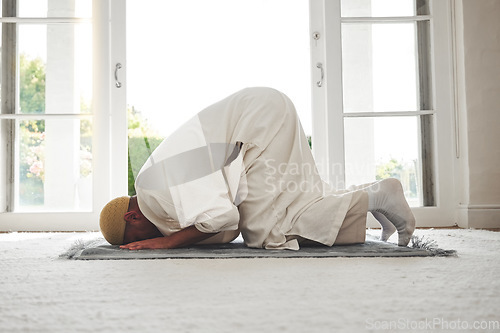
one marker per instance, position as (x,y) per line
(39,292)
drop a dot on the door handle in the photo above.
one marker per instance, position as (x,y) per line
(320,66)
(118,84)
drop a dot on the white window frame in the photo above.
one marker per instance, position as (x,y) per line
(328,116)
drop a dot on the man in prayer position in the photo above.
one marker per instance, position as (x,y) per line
(244,165)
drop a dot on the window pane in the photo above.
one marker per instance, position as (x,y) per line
(238,45)
(379,148)
(384,8)
(54,165)
(55,8)
(381,68)
(55,68)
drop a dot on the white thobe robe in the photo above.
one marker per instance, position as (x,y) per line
(242,165)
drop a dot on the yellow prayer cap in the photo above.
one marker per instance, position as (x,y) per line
(112,222)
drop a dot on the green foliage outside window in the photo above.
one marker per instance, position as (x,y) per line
(390,169)
(32,132)
(32,74)
(142,141)
(405,172)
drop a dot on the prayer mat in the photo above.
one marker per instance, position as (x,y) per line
(100,250)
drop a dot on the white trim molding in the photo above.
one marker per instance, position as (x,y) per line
(479,216)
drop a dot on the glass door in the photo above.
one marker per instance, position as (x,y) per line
(387,95)
(385,106)
(46,121)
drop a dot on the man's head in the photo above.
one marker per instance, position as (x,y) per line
(122,222)
(111,221)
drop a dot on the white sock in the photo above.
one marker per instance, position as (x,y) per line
(387,197)
(387,227)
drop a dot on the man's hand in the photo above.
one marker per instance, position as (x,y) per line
(153,243)
(184,237)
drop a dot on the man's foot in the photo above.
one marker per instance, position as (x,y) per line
(387,227)
(387,197)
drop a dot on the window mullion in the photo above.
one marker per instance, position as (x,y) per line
(328,129)
(391,19)
(9,102)
(334,91)
(389,113)
(423,48)
(45,20)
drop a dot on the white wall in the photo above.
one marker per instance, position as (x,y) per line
(478,80)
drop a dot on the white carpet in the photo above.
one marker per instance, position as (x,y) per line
(41,293)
